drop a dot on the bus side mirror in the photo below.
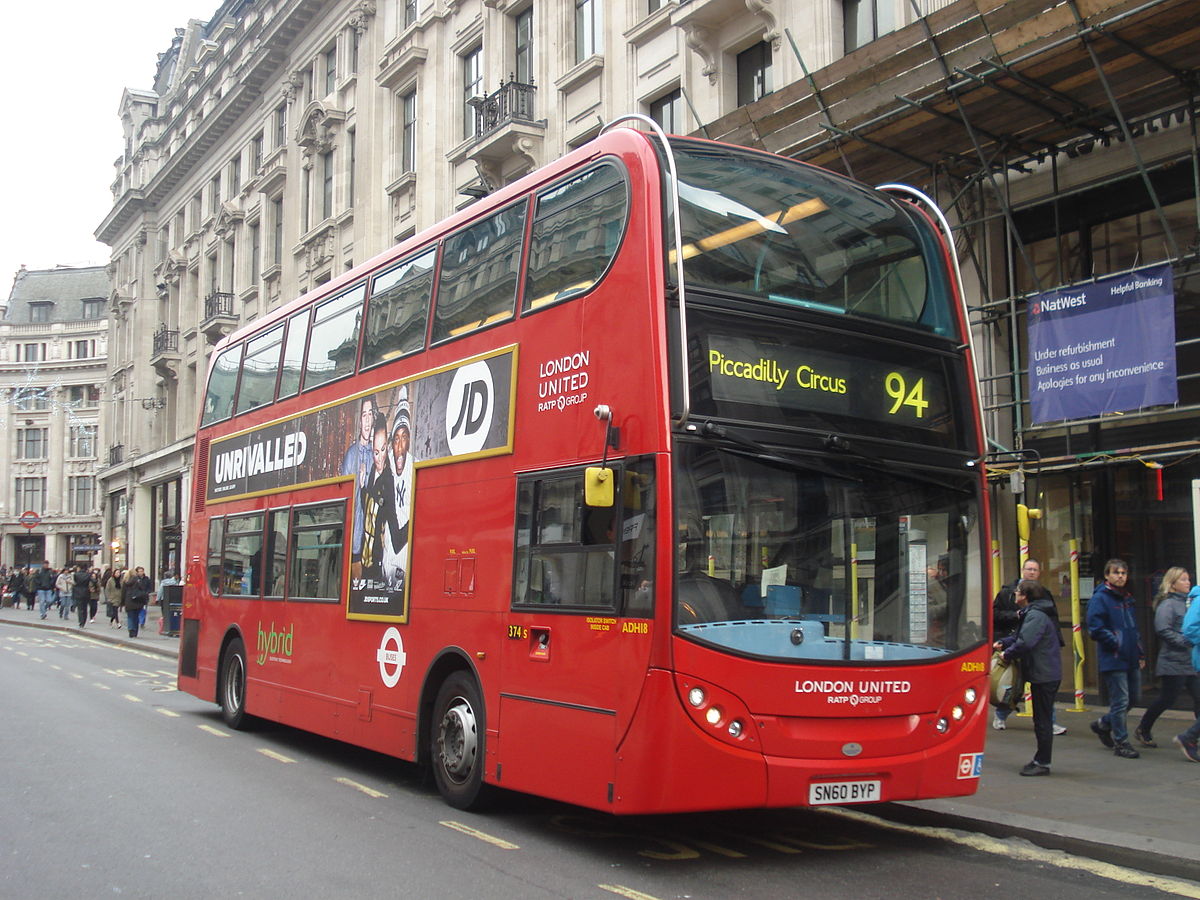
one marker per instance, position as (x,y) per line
(598,487)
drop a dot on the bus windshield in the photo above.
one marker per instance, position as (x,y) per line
(794,235)
(825,561)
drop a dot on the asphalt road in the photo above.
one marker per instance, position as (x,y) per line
(117,785)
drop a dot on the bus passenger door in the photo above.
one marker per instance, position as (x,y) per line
(579,635)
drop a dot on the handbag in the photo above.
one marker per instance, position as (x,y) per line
(1005,682)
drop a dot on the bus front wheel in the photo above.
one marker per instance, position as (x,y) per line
(457,742)
(232,691)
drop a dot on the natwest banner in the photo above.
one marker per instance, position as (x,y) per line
(1107,346)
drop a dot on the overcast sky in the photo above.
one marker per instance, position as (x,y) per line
(66,65)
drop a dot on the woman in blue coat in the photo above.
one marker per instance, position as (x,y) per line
(1191,631)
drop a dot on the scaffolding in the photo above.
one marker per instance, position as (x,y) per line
(974,101)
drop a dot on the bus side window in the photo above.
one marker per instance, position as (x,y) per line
(242,557)
(257,385)
(571,555)
(577,229)
(315,551)
(333,341)
(292,366)
(478,285)
(216,536)
(636,539)
(564,551)
(275,553)
(222,383)
(398,310)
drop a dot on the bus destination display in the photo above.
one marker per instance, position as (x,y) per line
(797,379)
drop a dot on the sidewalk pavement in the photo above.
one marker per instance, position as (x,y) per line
(148,638)
(1141,813)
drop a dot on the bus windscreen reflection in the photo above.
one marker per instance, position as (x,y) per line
(799,564)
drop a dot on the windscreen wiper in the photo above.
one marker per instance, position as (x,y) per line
(838,444)
(734,441)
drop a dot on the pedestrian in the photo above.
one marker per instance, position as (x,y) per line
(1113,626)
(1036,643)
(44,585)
(1191,630)
(16,586)
(1005,619)
(62,591)
(136,595)
(27,589)
(1174,664)
(30,590)
(93,595)
(112,596)
(81,580)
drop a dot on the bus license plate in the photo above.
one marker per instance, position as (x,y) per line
(844,792)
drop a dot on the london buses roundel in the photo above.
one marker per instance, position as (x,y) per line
(391,657)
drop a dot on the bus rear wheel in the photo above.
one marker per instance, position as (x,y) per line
(231,691)
(457,742)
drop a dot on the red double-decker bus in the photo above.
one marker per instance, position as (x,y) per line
(648,483)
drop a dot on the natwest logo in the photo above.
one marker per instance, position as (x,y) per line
(1058,304)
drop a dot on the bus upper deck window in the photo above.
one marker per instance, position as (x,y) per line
(259,371)
(398,310)
(222,382)
(292,366)
(577,230)
(333,342)
(478,284)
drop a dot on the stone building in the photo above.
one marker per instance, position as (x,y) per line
(53,349)
(285,141)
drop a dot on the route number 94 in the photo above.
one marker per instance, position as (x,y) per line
(906,395)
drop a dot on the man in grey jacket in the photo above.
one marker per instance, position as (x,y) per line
(1036,643)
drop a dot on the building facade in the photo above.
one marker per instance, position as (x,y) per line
(53,349)
(285,141)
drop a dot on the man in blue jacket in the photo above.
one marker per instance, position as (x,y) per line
(1112,625)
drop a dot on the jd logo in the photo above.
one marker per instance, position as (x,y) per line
(469,408)
(272,642)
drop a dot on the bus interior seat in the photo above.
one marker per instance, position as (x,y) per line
(703,598)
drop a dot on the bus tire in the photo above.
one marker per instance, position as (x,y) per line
(231,687)
(457,742)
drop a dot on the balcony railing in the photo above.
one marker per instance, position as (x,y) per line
(218,303)
(116,454)
(511,103)
(165,341)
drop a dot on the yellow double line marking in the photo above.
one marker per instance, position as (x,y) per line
(1056,858)
(480,835)
(370,792)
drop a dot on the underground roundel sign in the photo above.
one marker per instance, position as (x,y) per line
(29,519)
(391,657)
